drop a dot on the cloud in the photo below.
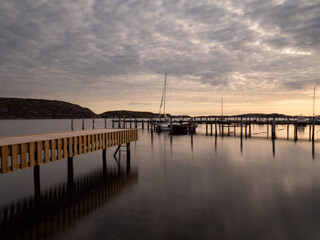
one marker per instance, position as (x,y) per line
(98,48)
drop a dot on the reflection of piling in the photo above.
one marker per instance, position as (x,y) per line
(128,158)
(228,129)
(71,124)
(288,131)
(249,130)
(234,129)
(82,123)
(136,123)
(142,124)
(211,129)
(93,123)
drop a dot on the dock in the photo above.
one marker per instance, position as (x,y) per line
(222,125)
(20,152)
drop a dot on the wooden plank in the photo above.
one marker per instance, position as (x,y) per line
(70,148)
(80,144)
(75,146)
(65,148)
(32,150)
(39,159)
(92,143)
(84,144)
(89,143)
(23,155)
(46,152)
(53,150)
(4,159)
(96,141)
(103,140)
(59,149)
(14,157)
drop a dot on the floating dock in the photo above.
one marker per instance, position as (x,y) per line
(20,152)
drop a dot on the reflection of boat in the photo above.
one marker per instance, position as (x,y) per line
(163,126)
(62,206)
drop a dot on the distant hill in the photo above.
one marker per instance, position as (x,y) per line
(129,114)
(20,108)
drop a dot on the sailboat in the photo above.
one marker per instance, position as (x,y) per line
(163,126)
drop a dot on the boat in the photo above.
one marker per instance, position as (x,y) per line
(183,128)
(163,126)
(301,121)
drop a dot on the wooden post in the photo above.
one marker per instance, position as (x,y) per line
(234,129)
(82,123)
(128,157)
(288,130)
(119,124)
(313,126)
(105,123)
(136,123)
(241,134)
(112,123)
(295,132)
(104,161)
(215,125)
(36,178)
(124,123)
(71,124)
(93,123)
(211,129)
(206,125)
(267,130)
(250,130)
(70,173)
(130,123)
(310,132)
(273,129)
(142,124)
(148,124)
(228,129)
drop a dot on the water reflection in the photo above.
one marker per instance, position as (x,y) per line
(53,211)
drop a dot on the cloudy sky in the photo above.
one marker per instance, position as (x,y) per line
(260,55)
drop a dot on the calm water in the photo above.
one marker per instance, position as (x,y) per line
(178,187)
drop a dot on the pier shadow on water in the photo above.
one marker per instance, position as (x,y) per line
(51,212)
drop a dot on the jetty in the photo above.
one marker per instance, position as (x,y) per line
(224,125)
(20,152)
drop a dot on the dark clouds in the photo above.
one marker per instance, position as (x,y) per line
(75,45)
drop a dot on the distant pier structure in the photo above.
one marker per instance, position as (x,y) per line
(226,126)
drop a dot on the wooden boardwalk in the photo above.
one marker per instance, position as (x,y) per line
(30,150)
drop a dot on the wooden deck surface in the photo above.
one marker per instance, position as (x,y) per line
(19,152)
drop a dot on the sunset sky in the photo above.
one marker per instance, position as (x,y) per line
(262,56)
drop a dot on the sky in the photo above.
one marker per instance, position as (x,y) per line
(261,56)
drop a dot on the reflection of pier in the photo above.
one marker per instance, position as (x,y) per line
(53,211)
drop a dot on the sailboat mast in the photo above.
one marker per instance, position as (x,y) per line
(221,106)
(314,98)
(165,93)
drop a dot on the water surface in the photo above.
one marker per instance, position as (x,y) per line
(178,187)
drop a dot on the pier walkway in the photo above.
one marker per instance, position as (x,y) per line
(20,152)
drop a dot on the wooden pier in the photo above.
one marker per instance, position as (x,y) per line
(20,152)
(242,124)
